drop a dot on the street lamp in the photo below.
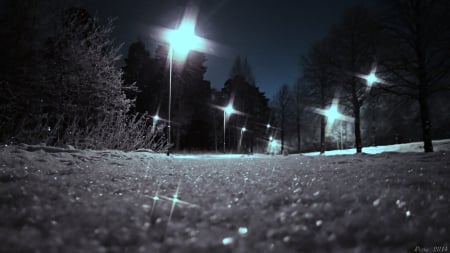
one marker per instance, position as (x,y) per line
(371,78)
(181,41)
(228,110)
(243,129)
(155,120)
(332,114)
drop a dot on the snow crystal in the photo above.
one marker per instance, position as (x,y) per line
(242,230)
(376,202)
(227,240)
(400,203)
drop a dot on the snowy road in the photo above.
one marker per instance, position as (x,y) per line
(58,200)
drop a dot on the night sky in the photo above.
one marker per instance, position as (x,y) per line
(271,34)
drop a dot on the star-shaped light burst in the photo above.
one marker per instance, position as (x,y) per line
(229,109)
(184,39)
(371,78)
(155,199)
(333,114)
(156,118)
(175,200)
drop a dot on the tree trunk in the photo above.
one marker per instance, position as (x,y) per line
(426,123)
(357,113)
(358,141)
(322,135)
(282,133)
(322,122)
(299,137)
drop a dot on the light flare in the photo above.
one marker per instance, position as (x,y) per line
(332,114)
(184,39)
(371,78)
(155,199)
(229,109)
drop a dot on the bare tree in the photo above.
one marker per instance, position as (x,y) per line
(316,70)
(353,41)
(299,106)
(417,58)
(282,101)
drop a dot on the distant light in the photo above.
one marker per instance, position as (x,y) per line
(371,78)
(229,109)
(244,129)
(268,126)
(156,117)
(273,146)
(332,113)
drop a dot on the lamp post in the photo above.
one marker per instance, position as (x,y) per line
(226,111)
(181,41)
(243,129)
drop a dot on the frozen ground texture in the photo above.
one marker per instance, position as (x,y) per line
(66,200)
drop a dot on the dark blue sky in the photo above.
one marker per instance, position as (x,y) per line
(272,34)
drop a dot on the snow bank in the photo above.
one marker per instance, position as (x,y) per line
(439,145)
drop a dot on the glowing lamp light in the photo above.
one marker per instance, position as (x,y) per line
(371,78)
(332,113)
(268,126)
(229,109)
(156,117)
(243,129)
(184,39)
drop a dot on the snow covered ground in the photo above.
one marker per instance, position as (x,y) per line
(67,200)
(438,145)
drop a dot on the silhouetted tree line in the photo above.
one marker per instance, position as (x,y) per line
(196,115)
(406,43)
